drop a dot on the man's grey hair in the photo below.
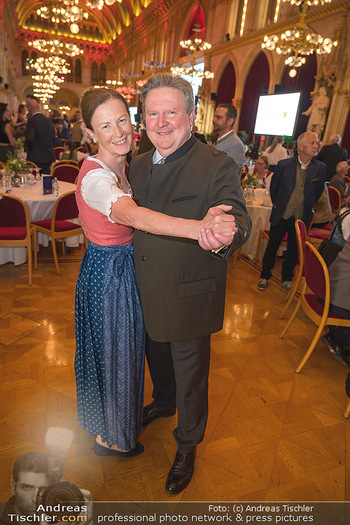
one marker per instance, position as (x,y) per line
(166,80)
(335,139)
(302,137)
(341,166)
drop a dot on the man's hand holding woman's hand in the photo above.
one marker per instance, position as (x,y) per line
(218,228)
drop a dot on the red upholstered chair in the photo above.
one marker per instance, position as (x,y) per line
(335,202)
(59,227)
(301,235)
(334,199)
(65,161)
(317,236)
(58,151)
(264,234)
(315,287)
(81,149)
(15,228)
(66,172)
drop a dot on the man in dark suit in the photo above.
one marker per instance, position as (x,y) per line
(39,136)
(182,285)
(296,186)
(332,154)
(199,136)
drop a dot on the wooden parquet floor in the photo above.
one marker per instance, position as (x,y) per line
(272,435)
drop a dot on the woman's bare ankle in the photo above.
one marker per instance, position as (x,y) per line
(104,444)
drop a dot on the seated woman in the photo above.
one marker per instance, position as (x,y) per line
(261,173)
(69,152)
(276,152)
(7,140)
(338,337)
(342,233)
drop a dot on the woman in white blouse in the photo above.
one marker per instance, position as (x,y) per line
(275,152)
(109,362)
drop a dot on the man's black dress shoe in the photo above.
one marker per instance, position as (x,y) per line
(181,472)
(337,351)
(152,412)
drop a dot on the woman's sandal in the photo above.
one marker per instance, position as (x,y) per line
(100,450)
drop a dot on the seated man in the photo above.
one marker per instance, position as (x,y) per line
(338,337)
(337,181)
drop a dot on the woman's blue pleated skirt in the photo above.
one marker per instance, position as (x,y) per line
(109,360)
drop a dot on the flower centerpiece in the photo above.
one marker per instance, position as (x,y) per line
(251,178)
(19,144)
(17,166)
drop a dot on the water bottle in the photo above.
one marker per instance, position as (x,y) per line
(55,187)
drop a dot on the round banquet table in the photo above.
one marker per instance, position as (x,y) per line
(260,216)
(40,208)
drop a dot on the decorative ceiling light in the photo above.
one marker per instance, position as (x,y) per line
(154,63)
(49,73)
(109,84)
(197,44)
(308,2)
(192,72)
(64,12)
(98,4)
(114,83)
(298,43)
(52,64)
(74,28)
(56,47)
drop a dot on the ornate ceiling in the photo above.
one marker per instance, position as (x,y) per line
(101,26)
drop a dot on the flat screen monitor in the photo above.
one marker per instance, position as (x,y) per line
(277,114)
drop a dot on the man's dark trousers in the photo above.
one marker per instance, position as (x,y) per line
(277,232)
(179,371)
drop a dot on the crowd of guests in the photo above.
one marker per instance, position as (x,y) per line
(40,134)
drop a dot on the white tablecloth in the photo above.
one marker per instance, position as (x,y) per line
(41,207)
(260,216)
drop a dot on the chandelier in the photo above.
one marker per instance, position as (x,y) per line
(52,64)
(56,47)
(308,2)
(64,12)
(197,44)
(299,42)
(49,73)
(193,46)
(98,4)
(192,72)
(154,64)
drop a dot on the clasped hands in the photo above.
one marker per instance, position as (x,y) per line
(218,228)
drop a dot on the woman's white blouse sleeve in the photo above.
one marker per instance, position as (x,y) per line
(100,190)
